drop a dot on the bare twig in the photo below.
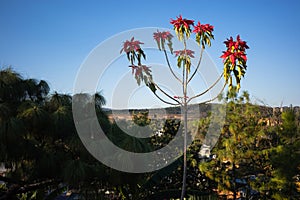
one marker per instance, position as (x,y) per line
(170,68)
(10,180)
(210,100)
(165,93)
(198,65)
(173,104)
(213,85)
(21,188)
(185,103)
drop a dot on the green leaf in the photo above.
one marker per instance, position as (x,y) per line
(163,44)
(158,44)
(128,55)
(152,87)
(194,162)
(179,60)
(143,54)
(138,80)
(145,79)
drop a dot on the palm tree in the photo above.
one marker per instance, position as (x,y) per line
(11,86)
(23,124)
(38,136)
(36,90)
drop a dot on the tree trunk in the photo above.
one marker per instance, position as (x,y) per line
(183,190)
(234,183)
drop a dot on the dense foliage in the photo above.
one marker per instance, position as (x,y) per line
(257,154)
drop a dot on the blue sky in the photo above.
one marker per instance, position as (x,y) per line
(50,39)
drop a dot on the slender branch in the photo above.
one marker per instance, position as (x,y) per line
(183,79)
(198,65)
(185,102)
(210,100)
(10,192)
(202,93)
(10,180)
(36,186)
(173,104)
(18,188)
(165,93)
(169,65)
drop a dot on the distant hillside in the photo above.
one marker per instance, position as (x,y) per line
(175,112)
(161,112)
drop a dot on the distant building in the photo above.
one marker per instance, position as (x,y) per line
(204,151)
(2,169)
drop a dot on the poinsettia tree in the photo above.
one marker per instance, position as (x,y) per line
(234,59)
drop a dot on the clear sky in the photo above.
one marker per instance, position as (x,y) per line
(50,39)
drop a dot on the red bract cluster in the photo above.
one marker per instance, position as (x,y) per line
(202,28)
(235,50)
(142,73)
(161,38)
(204,34)
(180,22)
(235,60)
(233,56)
(162,35)
(132,45)
(236,44)
(187,52)
(182,26)
(138,70)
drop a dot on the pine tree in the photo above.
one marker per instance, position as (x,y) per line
(285,158)
(236,151)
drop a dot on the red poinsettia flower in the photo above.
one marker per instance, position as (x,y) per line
(240,43)
(203,34)
(228,54)
(233,56)
(162,35)
(202,28)
(132,45)
(139,69)
(235,60)
(235,50)
(182,26)
(229,43)
(179,22)
(187,52)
